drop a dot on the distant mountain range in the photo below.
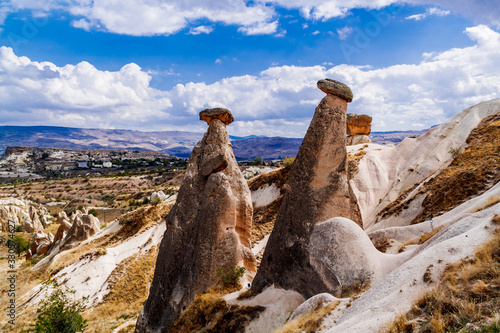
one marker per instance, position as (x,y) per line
(175,143)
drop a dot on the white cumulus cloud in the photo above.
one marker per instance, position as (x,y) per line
(278,101)
(166,17)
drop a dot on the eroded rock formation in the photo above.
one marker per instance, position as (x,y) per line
(84,226)
(208,228)
(317,190)
(358,129)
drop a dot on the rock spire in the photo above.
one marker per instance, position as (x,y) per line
(209,228)
(317,190)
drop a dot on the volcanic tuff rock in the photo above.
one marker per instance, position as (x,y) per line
(40,243)
(359,124)
(318,189)
(357,140)
(209,228)
(25,213)
(84,226)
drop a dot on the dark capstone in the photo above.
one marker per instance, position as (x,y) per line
(336,88)
(222,114)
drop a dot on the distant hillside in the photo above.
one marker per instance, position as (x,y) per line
(175,143)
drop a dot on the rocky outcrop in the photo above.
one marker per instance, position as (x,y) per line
(30,216)
(358,139)
(209,228)
(33,224)
(162,196)
(358,129)
(40,243)
(61,233)
(311,304)
(62,217)
(83,227)
(359,124)
(317,190)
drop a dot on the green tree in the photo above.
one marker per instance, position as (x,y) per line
(57,313)
(93,211)
(20,244)
(231,276)
(258,160)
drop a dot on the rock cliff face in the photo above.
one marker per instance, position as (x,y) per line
(208,228)
(317,190)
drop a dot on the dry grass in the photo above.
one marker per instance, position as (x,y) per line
(91,192)
(468,295)
(353,162)
(361,285)
(382,244)
(278,177)
(248,294)
(129,289)
(403,245)
(491,201)
(424,238)
(470,174)
(311,322)
(263,220)
(136,222)
(401,202)
(210,313)
(25,281)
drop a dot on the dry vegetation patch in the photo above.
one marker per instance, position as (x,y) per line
(278,177)
(353,162)
(129,288)
(471,173)
(135,222)
(264,219)
(311,322)
(210,313)
(466,300)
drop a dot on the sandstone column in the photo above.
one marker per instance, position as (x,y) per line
(317,190)
(208,228)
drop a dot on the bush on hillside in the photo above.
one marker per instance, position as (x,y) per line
(57,313)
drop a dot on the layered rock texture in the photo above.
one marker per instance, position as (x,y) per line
(358,129)
(24,213)
(317,190)
(209,228)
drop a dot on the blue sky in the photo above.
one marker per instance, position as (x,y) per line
(153,65)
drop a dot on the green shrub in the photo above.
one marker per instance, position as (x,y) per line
(93,211)
(21,245)
(287,161)
(57,313)
(455,151)
(155,201)
(231,276)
